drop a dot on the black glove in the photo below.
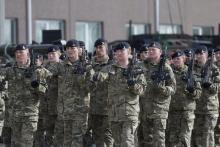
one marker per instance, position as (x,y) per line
(131,82)
(34,84)
(79,70)
(206,84)
(190,89)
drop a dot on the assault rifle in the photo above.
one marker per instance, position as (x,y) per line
(189,78)
(161,75)
(206,73)
(133,70)
(30,72)
(83,62)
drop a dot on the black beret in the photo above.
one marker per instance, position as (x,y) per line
(38,56)
(144,48)
(21,47)
(177,54)
(122,45)
(188,52)
(201,49)
(155,45)
(100,42)
(81,44)
(53,48)
(217,49)
(72,43)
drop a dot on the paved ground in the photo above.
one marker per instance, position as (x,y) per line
(2,145)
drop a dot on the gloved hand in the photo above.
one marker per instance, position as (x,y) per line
(206,84)
(131,82)
(161,89)
(213,88)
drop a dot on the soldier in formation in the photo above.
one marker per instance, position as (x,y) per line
(98,114)
(25,87)
(156,100)
(183,103)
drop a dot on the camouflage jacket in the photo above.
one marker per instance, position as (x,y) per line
(154,103)
(73,90)
(123,100)
(208,103)
(52,92)
(99,94)
(23,97)
(182,100)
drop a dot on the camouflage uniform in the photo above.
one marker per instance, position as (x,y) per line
(6,132)
(39,139)
(2,102)
(98,118)
(207,111)
(123,104)
(72,104)
(51,98)
(181,113)
(217,128)
(25,103)
(155,106)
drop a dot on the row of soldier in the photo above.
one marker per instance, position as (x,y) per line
(122,103)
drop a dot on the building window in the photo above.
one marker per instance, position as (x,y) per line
(88,32)
(199,30)
(11,31)
(170,29)
(137,29)
(48,25)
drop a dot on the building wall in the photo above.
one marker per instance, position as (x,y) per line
(115,14)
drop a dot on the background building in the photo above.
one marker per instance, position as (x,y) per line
(88,20)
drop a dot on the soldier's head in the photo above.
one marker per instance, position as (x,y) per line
(39,59)
(72,49)
(122,52)
(201,54)
(154,51)
(22,54)
(53,54)
(101,48)
(217,54)
(178,59)
(81,47)
(144,52)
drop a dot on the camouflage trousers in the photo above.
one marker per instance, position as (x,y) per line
(23,133)
(45,131)
(70,133)
(6,136)
(217,133)
(179,129)
(153,130)
(59,133)
(124,133)
(101,130)
(203,133)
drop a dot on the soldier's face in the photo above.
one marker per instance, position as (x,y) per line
(179,61)
(53,56)
(39,62)
(101,51)
(217,55)
(201,57)
(154,53)
(22,56)
(80,51)
(144,55)
(122,55)
(72,52)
